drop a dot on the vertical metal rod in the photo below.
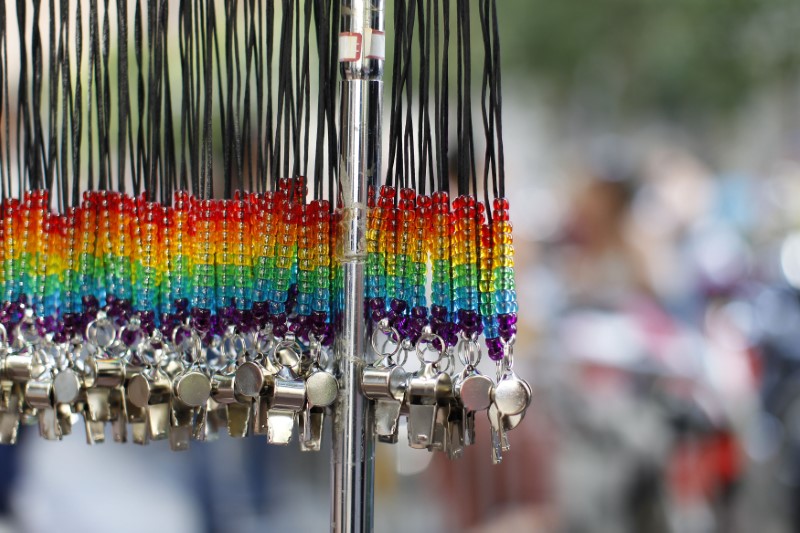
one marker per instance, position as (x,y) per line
(361,51)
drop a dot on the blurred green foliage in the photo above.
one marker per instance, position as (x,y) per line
(669,56)
(673,57)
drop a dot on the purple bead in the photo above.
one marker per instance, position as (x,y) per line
(437,344)
(199,312)
(182,304)
(181,317)
(131,336)
(279,330)
(114,311)
(168,329)
(279,320)
(401,325)
(319,317)
(451,339)
(494,348)
(50,324)
(439,312)
(378,315)
(246,323)
(226,313)
(218,326)
(148,320)
(70,319)
(398,306)
(419,323)
(507,320)
(462,315)
(508,332)
(201,323)
(327,336)
(419,312)
(376,303)
(14,312)
(302,332)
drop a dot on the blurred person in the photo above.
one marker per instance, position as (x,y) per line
(599,264)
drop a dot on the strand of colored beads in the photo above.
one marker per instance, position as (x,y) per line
(87,228)
(337,274)
(465,265)
(176,288)
(147,257)
(505,295)
(486,290)
(320,324)
(439,247)
(3,280)
(404,264)
(27,249)
(376,262)
(306,265)
(388,244)
(284,261)
(11,225)
(179,248)
(121,266)
(203,275)
(71,295)
(225,236)
(411,327)
(267,209)
(422,225)
(242,259)
(297,192)
(55,252)
(37,202)
(221,237)
(102,245)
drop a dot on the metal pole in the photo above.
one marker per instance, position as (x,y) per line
(361,51)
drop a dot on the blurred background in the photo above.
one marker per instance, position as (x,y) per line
(653,164)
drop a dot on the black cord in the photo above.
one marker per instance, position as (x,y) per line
(498,101)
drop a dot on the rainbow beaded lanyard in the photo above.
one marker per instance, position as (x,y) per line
(165,285)
(440,272)
(467,242)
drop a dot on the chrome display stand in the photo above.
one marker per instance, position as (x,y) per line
(361,51)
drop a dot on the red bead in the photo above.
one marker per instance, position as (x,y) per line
(500,203)
(441,197)
(407,194)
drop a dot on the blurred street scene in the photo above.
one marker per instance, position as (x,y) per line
(653,166)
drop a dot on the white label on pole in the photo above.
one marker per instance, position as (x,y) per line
(377,45)
(349,47)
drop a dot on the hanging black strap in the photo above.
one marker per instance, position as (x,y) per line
(4,104)
(77,111)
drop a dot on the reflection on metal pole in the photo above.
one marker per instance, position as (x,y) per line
(361,51)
